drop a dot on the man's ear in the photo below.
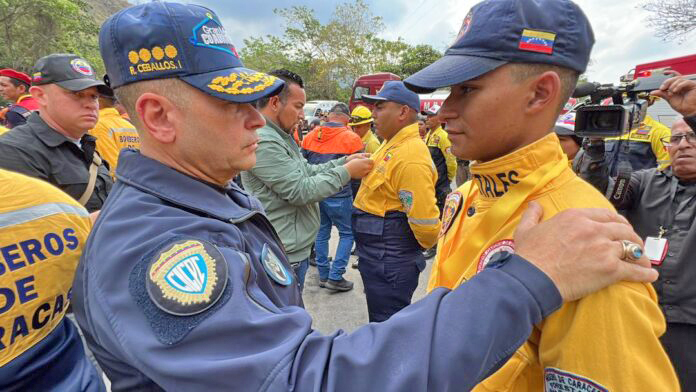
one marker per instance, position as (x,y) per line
(544,91)
(39,94)
(274,103)
(159,116)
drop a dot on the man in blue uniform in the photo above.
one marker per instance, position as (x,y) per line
(184,284)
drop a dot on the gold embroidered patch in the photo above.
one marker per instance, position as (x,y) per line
(146,60)
(185,273)
(242,83)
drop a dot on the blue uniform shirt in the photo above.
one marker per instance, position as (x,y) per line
(237,322)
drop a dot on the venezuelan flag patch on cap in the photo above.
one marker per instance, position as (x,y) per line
(537,41)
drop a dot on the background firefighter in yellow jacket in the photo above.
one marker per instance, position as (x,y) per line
(509,81)
(113,132)
(642,147)
(440,148)
(361,123)
(42,234)
(395,215)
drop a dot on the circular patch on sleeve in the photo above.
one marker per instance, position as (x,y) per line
(488,254)
(274,267)
(187,277)
(453,205)
(406,198)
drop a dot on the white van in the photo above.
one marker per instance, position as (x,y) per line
(311,108)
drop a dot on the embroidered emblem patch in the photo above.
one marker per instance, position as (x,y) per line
(187,277)
(242,83)
(387,157)
(487,255)
(80,66)
(159,58)
(274,267)
(452,206)
(37,77)
(537,41)
(557,380)
(406,198)
(466,24)
(209,33)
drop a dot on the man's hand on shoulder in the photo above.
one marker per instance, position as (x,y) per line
(358,167)
(580,249)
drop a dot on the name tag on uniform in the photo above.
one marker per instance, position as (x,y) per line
(656,249)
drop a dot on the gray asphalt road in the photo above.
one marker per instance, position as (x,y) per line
(348,310)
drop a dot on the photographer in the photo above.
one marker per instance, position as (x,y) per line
(660,204)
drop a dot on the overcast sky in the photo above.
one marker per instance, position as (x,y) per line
(622,35)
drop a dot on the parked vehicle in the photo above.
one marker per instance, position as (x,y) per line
(312,108)
(660,110)
(371,84)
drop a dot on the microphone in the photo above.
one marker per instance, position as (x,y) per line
(585,88)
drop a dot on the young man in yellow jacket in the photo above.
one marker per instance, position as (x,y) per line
(513,65)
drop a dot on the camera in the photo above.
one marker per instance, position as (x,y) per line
(628,109)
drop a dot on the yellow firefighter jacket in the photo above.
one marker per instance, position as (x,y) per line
(607,341)
(403,179)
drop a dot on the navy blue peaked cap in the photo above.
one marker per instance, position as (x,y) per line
(159,40)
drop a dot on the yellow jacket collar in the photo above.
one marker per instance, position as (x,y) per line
(366,136)
(494,178)
(108,112)
(407,132)
(23,97)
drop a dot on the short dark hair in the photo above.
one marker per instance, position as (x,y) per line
(17,83)
(289,78)
(569,77)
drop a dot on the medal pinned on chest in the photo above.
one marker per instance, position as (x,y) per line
(656,248)
(275,268)
(453,205)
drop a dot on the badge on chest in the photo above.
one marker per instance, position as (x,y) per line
(452,206)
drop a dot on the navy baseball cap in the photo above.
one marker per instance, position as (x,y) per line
(497,32)
(160,40)
(395,91)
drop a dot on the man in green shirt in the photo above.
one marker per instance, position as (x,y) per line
(286,184)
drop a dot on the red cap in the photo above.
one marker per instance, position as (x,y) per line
(11,73)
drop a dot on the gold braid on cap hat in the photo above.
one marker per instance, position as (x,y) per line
(241,83)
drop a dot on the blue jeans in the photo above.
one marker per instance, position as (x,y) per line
(335,211)
(300,271)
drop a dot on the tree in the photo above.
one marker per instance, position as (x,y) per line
(673,19)
(413,59)
(32,29)
(331,56)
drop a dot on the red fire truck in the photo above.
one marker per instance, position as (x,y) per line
(685,65)
(371,84)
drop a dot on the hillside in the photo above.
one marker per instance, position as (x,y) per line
(102,9)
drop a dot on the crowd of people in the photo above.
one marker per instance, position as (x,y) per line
(140,243)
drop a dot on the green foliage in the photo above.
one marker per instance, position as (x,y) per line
(330,56)
(35,28)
